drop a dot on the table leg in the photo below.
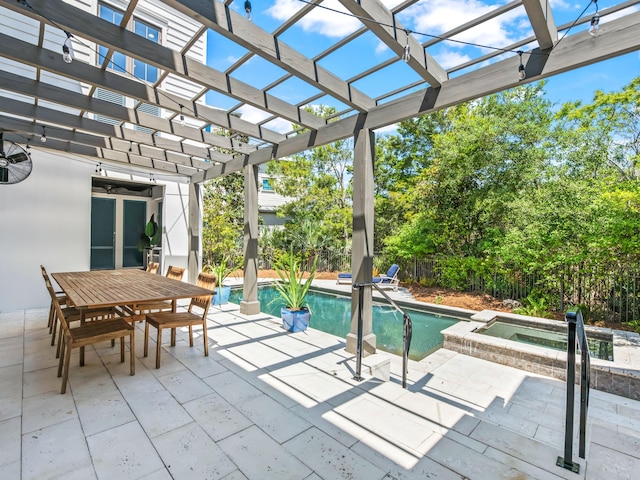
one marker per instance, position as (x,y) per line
(82,320)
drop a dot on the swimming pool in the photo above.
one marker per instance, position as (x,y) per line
(332,314)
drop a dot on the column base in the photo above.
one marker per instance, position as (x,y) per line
(368,344)
(249,308)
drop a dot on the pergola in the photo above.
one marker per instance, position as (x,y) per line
(407,80)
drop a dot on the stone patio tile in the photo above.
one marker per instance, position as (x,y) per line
(320,386)
(10,432)
(40,411)
(605,463)
(100,405)
(45,457)
(330,458)
(10,391)
(258,456)
(278,422)
(11,355)
(161,474)
(123,452)
(155,408)
(522,448)
(550,436)
(43,358)
(184,385)
(392,423)
(333,424)
(551,472)
(193,358)
(217,416)
(11,471)
(398,462)
(261,356)
(621,442)
(232,388)
(286,391)
(40,381)
(237,475)
(468,462)
(188,452)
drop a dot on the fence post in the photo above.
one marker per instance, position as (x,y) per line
(567,461)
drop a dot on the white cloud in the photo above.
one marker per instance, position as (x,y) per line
(279,125)
(439,16)
(252,114)
(448,59)
(381,48)
(388,130)
(320,20)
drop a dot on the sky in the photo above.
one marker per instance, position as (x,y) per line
(321,28)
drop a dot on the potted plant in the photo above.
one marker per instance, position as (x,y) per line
(150,237)
(293,288)
(222,270)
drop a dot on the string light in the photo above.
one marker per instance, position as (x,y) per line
(43,137)
(28,146)
(406,55)
(67,48)
(522,74)
(181,116)
(247,9)
(99,168)
(594,27)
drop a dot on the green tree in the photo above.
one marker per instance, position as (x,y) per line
(223,218)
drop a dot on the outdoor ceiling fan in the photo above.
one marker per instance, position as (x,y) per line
(15,162)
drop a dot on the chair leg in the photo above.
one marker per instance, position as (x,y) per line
(173,337)
(190,336)
(62,346)
(146,338)
(59,342)
(52,311)
(206,339)
(121,348)
(65,375)
(158,347)
(53,329)
(132,350)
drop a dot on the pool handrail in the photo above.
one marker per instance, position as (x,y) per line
(407,331)
(576,336)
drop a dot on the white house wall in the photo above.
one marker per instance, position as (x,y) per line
(44,219)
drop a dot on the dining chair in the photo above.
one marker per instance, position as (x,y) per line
(73,314)
(62,298)
(173,320)
(138,311)
(88,334)
(152,267)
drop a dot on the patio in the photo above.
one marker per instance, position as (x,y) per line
(268,404)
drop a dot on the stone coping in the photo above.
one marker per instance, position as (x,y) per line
(621,376)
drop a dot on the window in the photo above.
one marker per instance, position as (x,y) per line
(119,62)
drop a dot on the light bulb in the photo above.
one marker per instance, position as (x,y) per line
(67,49)
(43,137)
(406,55)
(247,9)
(521,72)
(182,120)
(594,29)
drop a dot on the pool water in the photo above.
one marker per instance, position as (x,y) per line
(332,314)
(602,349)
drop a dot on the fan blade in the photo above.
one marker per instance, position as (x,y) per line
(17,157)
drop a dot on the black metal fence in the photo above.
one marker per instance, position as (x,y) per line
(604,292)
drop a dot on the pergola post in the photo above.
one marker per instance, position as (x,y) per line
(250,304)
(362,250)
(194,260)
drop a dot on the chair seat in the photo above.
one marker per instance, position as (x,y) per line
(173,320)
(103,330)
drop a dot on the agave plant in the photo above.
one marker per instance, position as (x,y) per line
(223,269)
(292,287)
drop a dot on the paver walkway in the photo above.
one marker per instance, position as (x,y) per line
(267,404)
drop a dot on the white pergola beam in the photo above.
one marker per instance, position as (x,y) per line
(541,18)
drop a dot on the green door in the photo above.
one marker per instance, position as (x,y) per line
(134,221)
(103,233)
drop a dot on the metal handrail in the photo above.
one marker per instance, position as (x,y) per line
(407,331)
(576,335)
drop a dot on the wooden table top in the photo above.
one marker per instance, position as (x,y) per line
(111,288)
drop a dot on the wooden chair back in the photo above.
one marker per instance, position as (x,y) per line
(175,273)
(152,267)
(208,281)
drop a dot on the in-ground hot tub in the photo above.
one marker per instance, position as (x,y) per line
(530,346)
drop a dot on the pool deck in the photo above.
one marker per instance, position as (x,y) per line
(267,404)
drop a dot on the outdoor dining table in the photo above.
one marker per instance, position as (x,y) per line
(121,288)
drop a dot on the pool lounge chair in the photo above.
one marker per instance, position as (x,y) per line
(390,279)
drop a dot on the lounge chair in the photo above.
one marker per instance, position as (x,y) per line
(390,279)
(344,277)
